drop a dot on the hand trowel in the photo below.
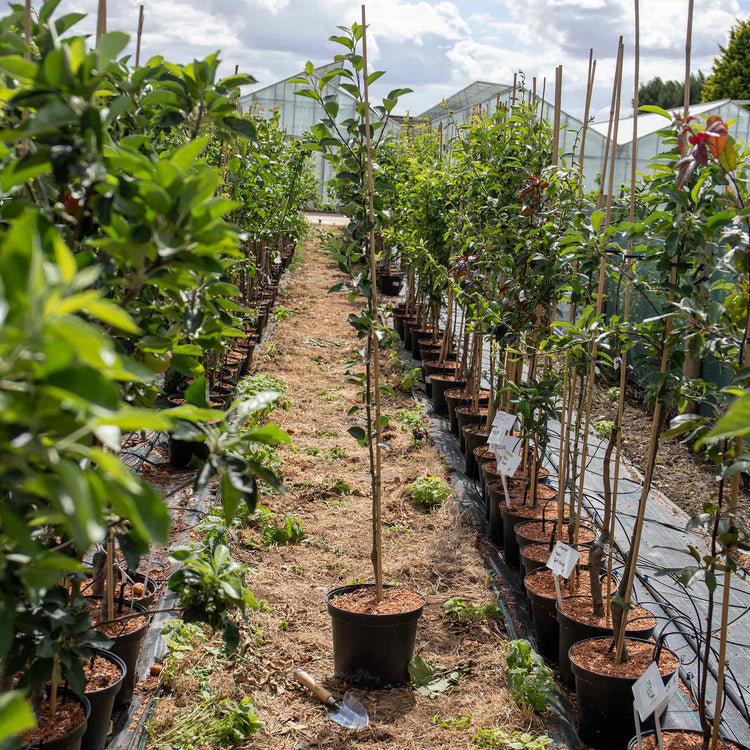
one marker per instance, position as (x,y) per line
(349,712)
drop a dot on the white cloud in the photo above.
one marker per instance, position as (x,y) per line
(434,46)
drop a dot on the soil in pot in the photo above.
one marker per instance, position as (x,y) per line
(104,676)
(459,396)
(604,689)
(542,596)
(546,508)
(128,591)
(577,622)
(674,739)
(64,730)
(529,532)
(128,637)
(373,642)
(536,554)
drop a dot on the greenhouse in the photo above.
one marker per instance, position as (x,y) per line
(322,426)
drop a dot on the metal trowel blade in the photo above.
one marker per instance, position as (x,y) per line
(350,713)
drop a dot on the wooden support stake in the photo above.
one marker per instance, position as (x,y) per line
(377,546)
(533,90)
(591,376)
(138,38)
(586,115)
(629,270)
(101,19)
(515,85)
(544,92)
(556,126)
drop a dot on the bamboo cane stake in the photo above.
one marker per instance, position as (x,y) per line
(110,575)
(544,91)
(515,84)
(138,38)
(377,548)
(101,19)
(629,270)
(27,29)
(586,115)
(688,52)
(533,90)
(617,90)
(556,126)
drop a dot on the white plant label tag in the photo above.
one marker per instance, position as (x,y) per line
(649,692)
(671,688)
(508,455)
(563,559)
(503,421)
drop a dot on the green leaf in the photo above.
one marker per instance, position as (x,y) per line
(735,423)
(186,155)
(110,45)
(656,110)
(18,67)
(358,434)
(196,393)
(16,715)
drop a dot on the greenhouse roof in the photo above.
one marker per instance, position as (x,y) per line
(474,93)
(649,123)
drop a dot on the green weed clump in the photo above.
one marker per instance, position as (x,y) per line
(529,678)
(465,613)
(430,491)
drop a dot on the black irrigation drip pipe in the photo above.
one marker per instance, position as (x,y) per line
(736,697)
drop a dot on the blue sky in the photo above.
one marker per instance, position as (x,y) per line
(435,47)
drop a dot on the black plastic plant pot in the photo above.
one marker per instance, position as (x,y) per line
(494,501)
(182,451)
(545,624)
(529,564)
(102,702)
(480,459)
(70,740)
(416,335)
(572,631)
(472,439)
(128,647)
(466,416)
(441,384)
(392,283)
(409,325)
(511,550)
(604,705)
(150,590)
(724,744)
(398,323)
(371,651)
(452,401)
(428,349)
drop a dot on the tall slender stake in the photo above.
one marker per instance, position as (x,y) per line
(101,19)
(138,38)
(629,270)
(544,92)
(617,91)
(556,126)
(586,115)
(377,537)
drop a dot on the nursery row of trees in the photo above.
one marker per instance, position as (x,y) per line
(519,294)
(143,219)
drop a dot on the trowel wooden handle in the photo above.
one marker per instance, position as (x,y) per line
(309,682)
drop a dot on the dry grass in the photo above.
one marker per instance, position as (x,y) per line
(428,551)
